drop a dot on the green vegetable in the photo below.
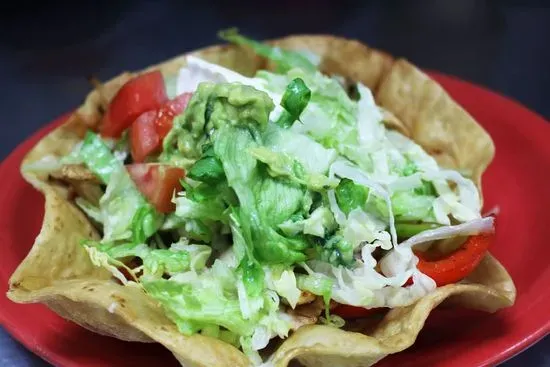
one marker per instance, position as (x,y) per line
(315,158)
(208,169)
(161,261)
(257,201)
(318,284)
(122,145)
(284,283)
(294,101)
(410,168)
(264,201)
(408,205)
(426,189)
(235,115)
(145,223)
(320,223)
(211,303)
(156,262)
(285,59)
(330,117)
(196,306)
(98,157)
(125,212)
(203,210)
(350,195)
(120,250)
(336,251)
(283,165)
(208,192)
(91,210)
(406,230)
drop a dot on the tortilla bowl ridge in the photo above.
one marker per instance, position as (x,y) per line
(58,272)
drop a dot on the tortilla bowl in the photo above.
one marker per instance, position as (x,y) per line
(57,271)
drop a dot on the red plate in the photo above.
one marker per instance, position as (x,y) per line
(516,181)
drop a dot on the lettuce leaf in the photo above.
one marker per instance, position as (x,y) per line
(210,300)
(156,262)
(125,213)
(349,195)
(285,59)
(330,115)
(263,200)
(295,100)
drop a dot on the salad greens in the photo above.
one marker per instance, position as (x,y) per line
(125,213)
(294,101)
(291,186)
(284,59)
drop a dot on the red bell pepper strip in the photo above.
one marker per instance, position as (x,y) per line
(447,270)
(457,265)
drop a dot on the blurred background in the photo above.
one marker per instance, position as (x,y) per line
(48,48)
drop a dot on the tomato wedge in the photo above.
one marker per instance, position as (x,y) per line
(168,111)
(144,139)
(150,128)
(144,93)
(157,182)
(458,264)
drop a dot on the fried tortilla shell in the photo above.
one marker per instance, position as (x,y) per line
(58,272)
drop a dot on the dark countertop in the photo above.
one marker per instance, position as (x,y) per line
(48,48)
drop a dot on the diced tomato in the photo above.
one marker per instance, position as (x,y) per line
(352,312)
(144,139)
(168,111)
(145,92)
(150,128)
(157,182)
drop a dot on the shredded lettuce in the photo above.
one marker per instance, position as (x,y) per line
(310,154)
(318,284)
(283,165)
(156,262)
(91,210)
(286,173)
(98,157)
(285,59)
(212,299)
(125,213)
(283,281)
(264,201)
(330,115)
